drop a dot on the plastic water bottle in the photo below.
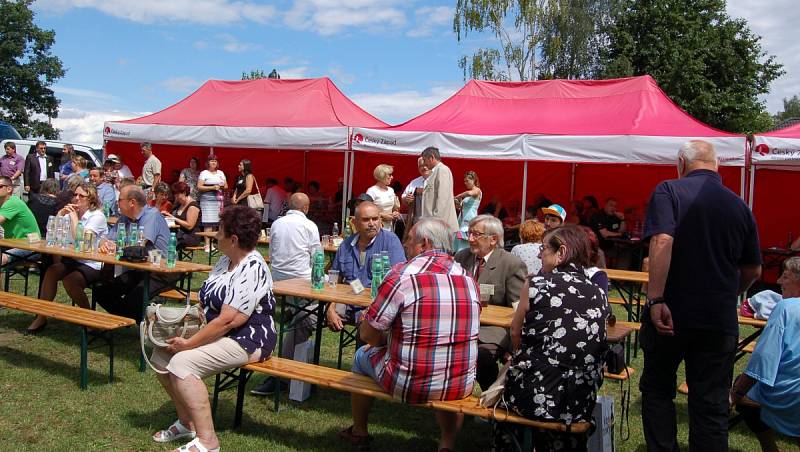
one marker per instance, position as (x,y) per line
(51,231)
(120,240)
(347,231)
(335,231)
(172,250)
(67,241)
(377,274)
(387,265)
(318,271)
(78,236)
(133,239)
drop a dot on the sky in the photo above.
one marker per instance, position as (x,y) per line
(394,58)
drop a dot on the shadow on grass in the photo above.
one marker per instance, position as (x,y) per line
(18,358)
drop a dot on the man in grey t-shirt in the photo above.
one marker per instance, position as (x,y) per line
(151,171)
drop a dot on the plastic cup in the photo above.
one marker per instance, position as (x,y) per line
(333,278)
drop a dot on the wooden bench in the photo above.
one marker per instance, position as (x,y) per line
(186,253)
(177,295)
(102,325)
(361,384)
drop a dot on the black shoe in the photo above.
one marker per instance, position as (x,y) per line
(268,387)
(34,331)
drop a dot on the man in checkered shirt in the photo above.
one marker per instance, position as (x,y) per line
(422,332)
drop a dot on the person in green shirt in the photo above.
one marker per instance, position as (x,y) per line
(15,217)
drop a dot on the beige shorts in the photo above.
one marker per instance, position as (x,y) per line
(204,361)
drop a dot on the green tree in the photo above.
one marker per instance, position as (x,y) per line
(712,66)
(791,110)
(535,38)
(258,73)
(27,71)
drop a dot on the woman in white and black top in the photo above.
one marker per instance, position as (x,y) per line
(76,275)
(245,183)
(211,183)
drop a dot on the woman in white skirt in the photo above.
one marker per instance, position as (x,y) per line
(211,183)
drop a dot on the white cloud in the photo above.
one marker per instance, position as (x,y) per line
(180,84)
(149,11)
(226,42)
(86,127)
(328,17)
(774,21)
(401,106)
(340,76)
(84,93)
(294,72)
(430,19)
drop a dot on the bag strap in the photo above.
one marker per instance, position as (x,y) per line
(255,182)
(142,336)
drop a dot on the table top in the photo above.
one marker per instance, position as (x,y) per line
(490,315)
(41,247)
(780,251)
(626,275)
(264,241)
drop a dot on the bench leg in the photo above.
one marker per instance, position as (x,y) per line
(527,439)
(145,299)
(215,398)
(111,356)
(84,359)
(244,376)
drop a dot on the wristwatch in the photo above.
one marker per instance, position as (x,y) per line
(655,301)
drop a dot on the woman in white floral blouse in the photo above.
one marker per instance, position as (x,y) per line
(559,337)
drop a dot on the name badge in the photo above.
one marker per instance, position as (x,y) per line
(487,289)
(356,286)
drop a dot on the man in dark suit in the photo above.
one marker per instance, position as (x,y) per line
(500,276)
(38,167)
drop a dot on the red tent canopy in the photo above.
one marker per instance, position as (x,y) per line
(628,120)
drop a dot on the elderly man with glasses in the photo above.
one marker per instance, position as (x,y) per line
(500,276)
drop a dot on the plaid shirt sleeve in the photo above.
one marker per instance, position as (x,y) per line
(388,302)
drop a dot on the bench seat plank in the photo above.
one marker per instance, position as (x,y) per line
(72,314)
(364,385)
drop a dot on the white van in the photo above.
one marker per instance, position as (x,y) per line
(55,149)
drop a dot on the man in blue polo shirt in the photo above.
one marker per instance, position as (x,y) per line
(354,257)
(703,253)
(123,295)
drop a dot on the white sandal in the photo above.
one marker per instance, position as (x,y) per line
(165,436)
(197,445)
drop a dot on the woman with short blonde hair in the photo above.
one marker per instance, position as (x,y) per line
(530,233)
(383,195)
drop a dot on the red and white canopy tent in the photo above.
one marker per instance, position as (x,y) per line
(239,119)
(775,160)
(603,137)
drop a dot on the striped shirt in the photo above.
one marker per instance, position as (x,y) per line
(431,310)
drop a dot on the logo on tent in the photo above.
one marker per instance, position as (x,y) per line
(358,138)
(108,131)
(762,149)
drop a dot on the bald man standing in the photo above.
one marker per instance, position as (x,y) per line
(293,240)
(703,253)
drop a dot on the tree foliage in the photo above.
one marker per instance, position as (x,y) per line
(791,110)
(259,73)
(27,71)
(561,32)
(709,64)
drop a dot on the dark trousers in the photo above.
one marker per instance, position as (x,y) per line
(486,368)
(708,358)
(123,295)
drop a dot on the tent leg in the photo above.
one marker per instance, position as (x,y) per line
(572,183)
(524,193)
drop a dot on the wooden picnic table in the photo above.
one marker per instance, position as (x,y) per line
(41,247)
(261,241)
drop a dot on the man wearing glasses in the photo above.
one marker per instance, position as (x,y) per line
(15,217)
(500,276)
(11,166)
(123,295)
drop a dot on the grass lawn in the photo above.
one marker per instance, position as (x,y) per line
(42,407)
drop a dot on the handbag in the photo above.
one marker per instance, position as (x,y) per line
(165,322)
(256,201)
(615,359)
(491,396)
(134,253)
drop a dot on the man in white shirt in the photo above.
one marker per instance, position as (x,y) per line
(437,196)
(412,195)
(293,240)
(121,169)
(274,199)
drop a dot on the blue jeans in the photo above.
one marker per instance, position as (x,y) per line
(361,361)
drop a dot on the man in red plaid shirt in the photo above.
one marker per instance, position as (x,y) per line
(428,312)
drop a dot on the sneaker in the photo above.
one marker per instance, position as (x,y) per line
(268,387)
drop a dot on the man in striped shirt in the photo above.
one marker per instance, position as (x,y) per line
(422,330)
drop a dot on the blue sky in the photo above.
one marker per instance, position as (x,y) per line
(394,58)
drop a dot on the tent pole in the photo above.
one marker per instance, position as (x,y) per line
(742,188)
(343,213)
(524,192)
(572,184)
(752,186)
(305,170)
(350,179)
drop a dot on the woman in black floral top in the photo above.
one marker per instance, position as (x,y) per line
(559,337)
